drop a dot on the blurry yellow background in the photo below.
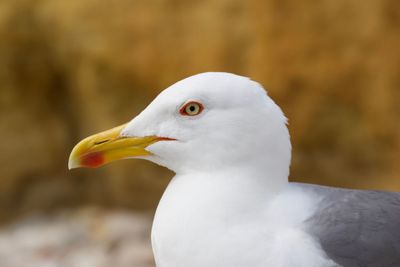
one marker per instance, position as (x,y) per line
(70,68)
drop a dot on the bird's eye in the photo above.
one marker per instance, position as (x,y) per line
(191,108)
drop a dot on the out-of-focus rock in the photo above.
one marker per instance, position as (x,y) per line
(72,68)
(84,238)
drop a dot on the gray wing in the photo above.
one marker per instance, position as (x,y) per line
(358,228)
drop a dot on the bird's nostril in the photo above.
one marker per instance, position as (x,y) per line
(101,142)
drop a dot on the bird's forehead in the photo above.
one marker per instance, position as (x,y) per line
(210,83)
(218,87)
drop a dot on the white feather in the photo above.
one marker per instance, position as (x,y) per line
(230,203)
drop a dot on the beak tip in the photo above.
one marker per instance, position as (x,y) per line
(72,163)
(71,166)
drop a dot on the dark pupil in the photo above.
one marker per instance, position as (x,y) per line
(192,108)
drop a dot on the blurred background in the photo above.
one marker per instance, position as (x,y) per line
(72,68)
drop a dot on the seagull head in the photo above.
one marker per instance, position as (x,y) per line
(206,122)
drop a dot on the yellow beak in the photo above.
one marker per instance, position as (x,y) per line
(105,147)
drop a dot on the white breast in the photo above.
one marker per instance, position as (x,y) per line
(199,222)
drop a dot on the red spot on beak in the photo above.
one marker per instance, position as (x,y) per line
(92,160)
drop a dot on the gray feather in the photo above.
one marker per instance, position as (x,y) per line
(357,228)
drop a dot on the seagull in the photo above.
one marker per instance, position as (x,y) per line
(230,203)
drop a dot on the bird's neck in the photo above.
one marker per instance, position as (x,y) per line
(243,187)
(209,202)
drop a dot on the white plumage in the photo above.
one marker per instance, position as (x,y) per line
(230,203)
(225,206)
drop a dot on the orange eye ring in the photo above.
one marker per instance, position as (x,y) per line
(191,108)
